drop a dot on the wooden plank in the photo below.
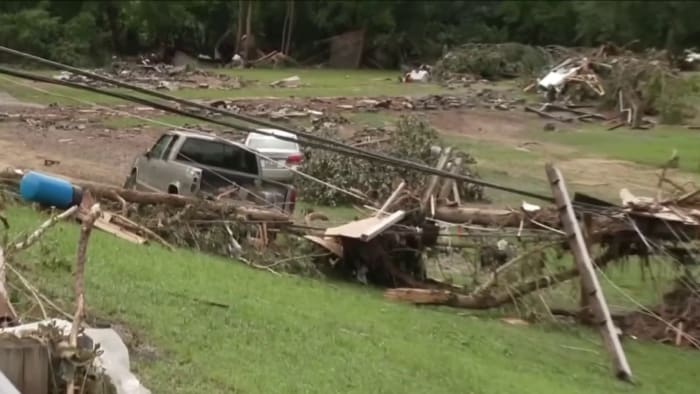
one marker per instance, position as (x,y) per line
(589,279)
(117,231)
(25,363)
(36,370)
(366,229)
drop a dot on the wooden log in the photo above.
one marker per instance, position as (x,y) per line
(485,299)
(103,191)
(494,217)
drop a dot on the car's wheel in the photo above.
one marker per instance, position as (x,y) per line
(130,183)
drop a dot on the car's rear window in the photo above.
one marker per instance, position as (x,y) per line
(218,154)
(272,143)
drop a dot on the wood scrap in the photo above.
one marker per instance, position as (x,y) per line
(433,180)
(548,116)
(105,225)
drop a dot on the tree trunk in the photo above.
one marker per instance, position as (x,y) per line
(248,32)
(239,27)
(285,26)
(486,299)
(290,28)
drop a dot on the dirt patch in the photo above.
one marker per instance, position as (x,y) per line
(489,125)
(100,155)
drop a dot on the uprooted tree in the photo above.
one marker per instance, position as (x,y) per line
(410,138)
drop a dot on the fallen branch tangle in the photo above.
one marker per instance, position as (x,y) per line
(85,231)
(486,297)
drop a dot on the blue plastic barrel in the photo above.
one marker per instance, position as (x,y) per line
(49,190)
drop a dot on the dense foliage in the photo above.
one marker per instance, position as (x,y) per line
(84,32)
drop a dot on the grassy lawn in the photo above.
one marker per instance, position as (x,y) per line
(293,335)
(503,164)
(315,83)
(650,147)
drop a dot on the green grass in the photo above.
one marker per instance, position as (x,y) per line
(649,147)
(316,83)
(504,165)
(294,335)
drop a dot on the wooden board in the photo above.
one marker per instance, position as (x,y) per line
(366,229)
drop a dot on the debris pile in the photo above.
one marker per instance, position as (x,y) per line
(493,61)
(159,76)
(633,85)
(410,138)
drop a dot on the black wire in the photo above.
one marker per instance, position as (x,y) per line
(333,145)
(347,148)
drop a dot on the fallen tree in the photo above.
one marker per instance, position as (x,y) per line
(490,297)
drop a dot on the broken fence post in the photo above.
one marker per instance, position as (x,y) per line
(589,280)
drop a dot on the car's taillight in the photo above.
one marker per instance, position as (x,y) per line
(295,159)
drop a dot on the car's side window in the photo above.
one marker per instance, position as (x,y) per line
(169,149)
(160,146)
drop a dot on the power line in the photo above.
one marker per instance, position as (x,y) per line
(162,123)
(346,149)
(305,138)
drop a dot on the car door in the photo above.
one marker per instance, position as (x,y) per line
(151,165)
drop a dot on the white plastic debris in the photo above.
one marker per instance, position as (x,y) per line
(691,56)
(291,82)
(527,207)
(502,244)
(114,359)
(420,74)
(557,78)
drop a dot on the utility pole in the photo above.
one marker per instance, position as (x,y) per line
(591,289)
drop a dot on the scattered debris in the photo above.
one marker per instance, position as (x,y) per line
(159,76)
(420,74)
(290,82)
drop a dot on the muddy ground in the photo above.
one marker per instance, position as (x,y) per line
(84,145)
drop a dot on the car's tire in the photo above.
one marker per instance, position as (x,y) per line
(130,183)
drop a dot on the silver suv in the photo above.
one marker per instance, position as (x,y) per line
(194,164)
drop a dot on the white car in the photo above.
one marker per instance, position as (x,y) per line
(285,154)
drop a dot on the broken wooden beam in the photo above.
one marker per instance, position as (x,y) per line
(433,180)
